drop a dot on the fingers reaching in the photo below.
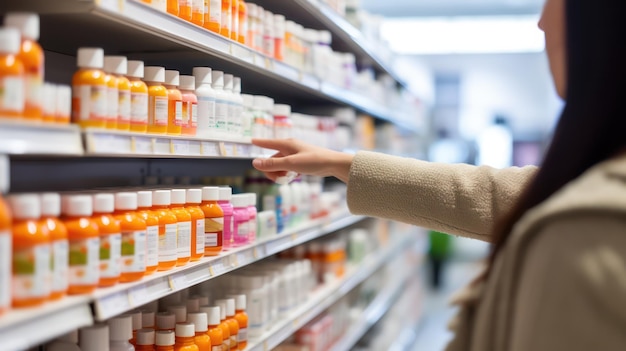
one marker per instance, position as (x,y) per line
(286,146)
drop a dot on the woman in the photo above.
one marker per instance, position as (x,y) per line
(557,274)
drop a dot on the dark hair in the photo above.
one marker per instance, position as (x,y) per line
(592,127)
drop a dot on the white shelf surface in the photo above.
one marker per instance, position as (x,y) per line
(18,137)
(327,295)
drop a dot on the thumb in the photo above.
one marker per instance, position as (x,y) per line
(272,164)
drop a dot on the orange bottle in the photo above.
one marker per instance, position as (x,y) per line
(110,239)
(242,319)
(32,57)
(214,331)
(243,22)
(200,323)
(31,252)
(227,14)
(184,10)
(231,323)
(225,328)
(234,20)
(5,250)
(172,7)
(133,229)
(50,211)
(183,236)
(136,317)
(213,15)
(174,104)
(185,335)
(138,97)
(144,340)
(157,99)
(83,235)
(144,203)
(89,89)
(197,12)
(190,105)
(168,225)
(194,199)
(164,340)
(112,97)
(213,221)
(11,74)
(117,66)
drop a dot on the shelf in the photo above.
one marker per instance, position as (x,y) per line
(23,137)
(326,296)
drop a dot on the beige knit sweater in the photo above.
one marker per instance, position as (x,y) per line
(560,281)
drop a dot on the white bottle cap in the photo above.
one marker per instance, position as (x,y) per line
(25,206)
(26,22)
(164,338)
(50,205)
(154,74)
(161,198)
(210,193)
(179,311)
(134,69)
(179,196)
(103,203)
(324,37)
(187,83)
(252,199)
(203,299)
(240,301)
(222,305)
(282,110)
(237,85)
(213,314)
(137,320)
(94,338)
(218,79)
(248,100)
(230,307)
(228,82)
(115,65)
(185,330)
(126,201)
(165,321)
(239,200)
(147,319)
(9,41)
(90,58)
(194,196)
(121,328)
(203,75)
(78,205)
(199,320)
(144,199)
(193,305)
(145,337)
(171,77)
(258,102)
(226,193)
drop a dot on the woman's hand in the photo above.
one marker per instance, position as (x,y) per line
(296,156)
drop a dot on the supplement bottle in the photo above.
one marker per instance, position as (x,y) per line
(232,121)
(200,323)
(31,252)
(12,98)
(193,304)
(252,212)
(279,37)
(145,340)
(190,105)
(165,321)
(225,194)
(179,312)
(164,340)
(252,27)
(194,199)
(231,323)
(136,323)
(147,319)
(184,9)
(183,236)
(227,14)
(224,326)
(110,239)
(67,342)
(242,319)
(138,97)
(206,102)
(94,338)
(243,22)
(238,100)
(213,221)
(5,239)
(168,225)
(282,122)
(157,99)
(118,66)
(172,7)
(89,89)
(241,219)
(197,12)
(120,331)
(144,205)
(247,116)
(234,20)
(214,331)
(185,335)
(222,103)
(174,104)
(269,37)
(133,229)
(112,96)
(213,15)
(59,247)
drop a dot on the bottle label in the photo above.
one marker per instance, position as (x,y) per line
(31,272)
(194,115)
(152,246)
(230,119)
(84,258)
(167,242)
(139,108)
(178,113)
(221,115)
(199,237)
(186,116)
(206,112)
(268,45)
(110,246)
(34,90)
(217,348)
(12,94)
(134,251)
(255,312)
(215,11)
(233,342)
(60,253)
(124,103)
(112,103)
(157,111)
(243,229)
(226,17)
(186,3)
(198,6)
(243,335)
(213,228)
(5,268)
(229,227)
(184,239)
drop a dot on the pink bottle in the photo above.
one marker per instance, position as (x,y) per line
(226,194)
(241,219)
(252,215)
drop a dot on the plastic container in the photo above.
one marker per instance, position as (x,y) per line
(84,244)
(154,77)
(206,102)
(194,199)
(197,12)
(136,317)
(238,106)
(193,304)
(120,331)
(117,66)
(164,340)
(283,126)
(269,38)
(226,18)
(247,115)
(273,201)
(172,7)
(224,326)
(279,37)
(111,100)
(229,306)
(174,104)
(214,331)
(222,103)
(185,336)
(243,22)
(138,97)
(89,89)
(234,19)
(168,225)
(94,338)
(184,10)
(242,319)
(32,57)
(241,220)
(133,228)
(253,27)
(200,323)
(190,105)
(179,312)
(183,233)
(213,16)
(5,239)
(225,194)
(12,98)
(233,120)
(213,221)
(110,239)
(145,340)
(165,321)
(31,252)
(252,214)
(144,205)
(59,246)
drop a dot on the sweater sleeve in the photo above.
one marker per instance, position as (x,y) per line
(456,199)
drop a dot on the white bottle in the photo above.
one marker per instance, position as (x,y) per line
(247,115)
(67,342)
(207,125)
(238,106)
(179,312)
(232,121)
(258,122)
(268,33)
(268,131)
(322,54)
(221,104)
(120,331)
(94,338)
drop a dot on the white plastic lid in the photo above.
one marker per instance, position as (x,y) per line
(239,200)
(161,198)
(121,328)
(269,104)
(25,206)
(90,58)
(180,312)
(213,314)
(70,337)
(203,75)
(78,205)
(50,204)
(187,83)
(223,306)
(282,110)
(230,307)
(279,25)
(147,319)
(9,41)
(135,69)
(94,338)
(199,320)
(310,35)
(258,102)
(194,196)
(171,77)
(154,74)
(26,22)
(226,193)
(145,337)
(137,320)
(237,85)
(252,199)
(144,199)
(324,37)
(103,203)
(185,330)
(240,301)
(116,65)
(193,305)
(248,100)
(218,79)
(228,82)
(179,196)
(165,321)
(210,193)
(126,201)
(202,300)
(164,338)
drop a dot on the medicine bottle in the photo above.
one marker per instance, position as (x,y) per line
(165,321)
(94,338)
(194,200)
(214,331)
(110,239)
(213,17)
(120,331)
(242,319)
(118,66)
(184,9)
(11,74)
(157,99)
(213,221)
(197,12)
(145,340)
(168,225)
(144,205)
(222,104)
(190,105)
(138,97)
(242,33)
(229,307)
(200,323)
(185,337)
(112,96)
(59,246)
(226,17)
(234,19)
(174,104)
(89,89)
(206,102)
(241,219)
(183,234)
(133,228)
(225,194)
(164,340)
